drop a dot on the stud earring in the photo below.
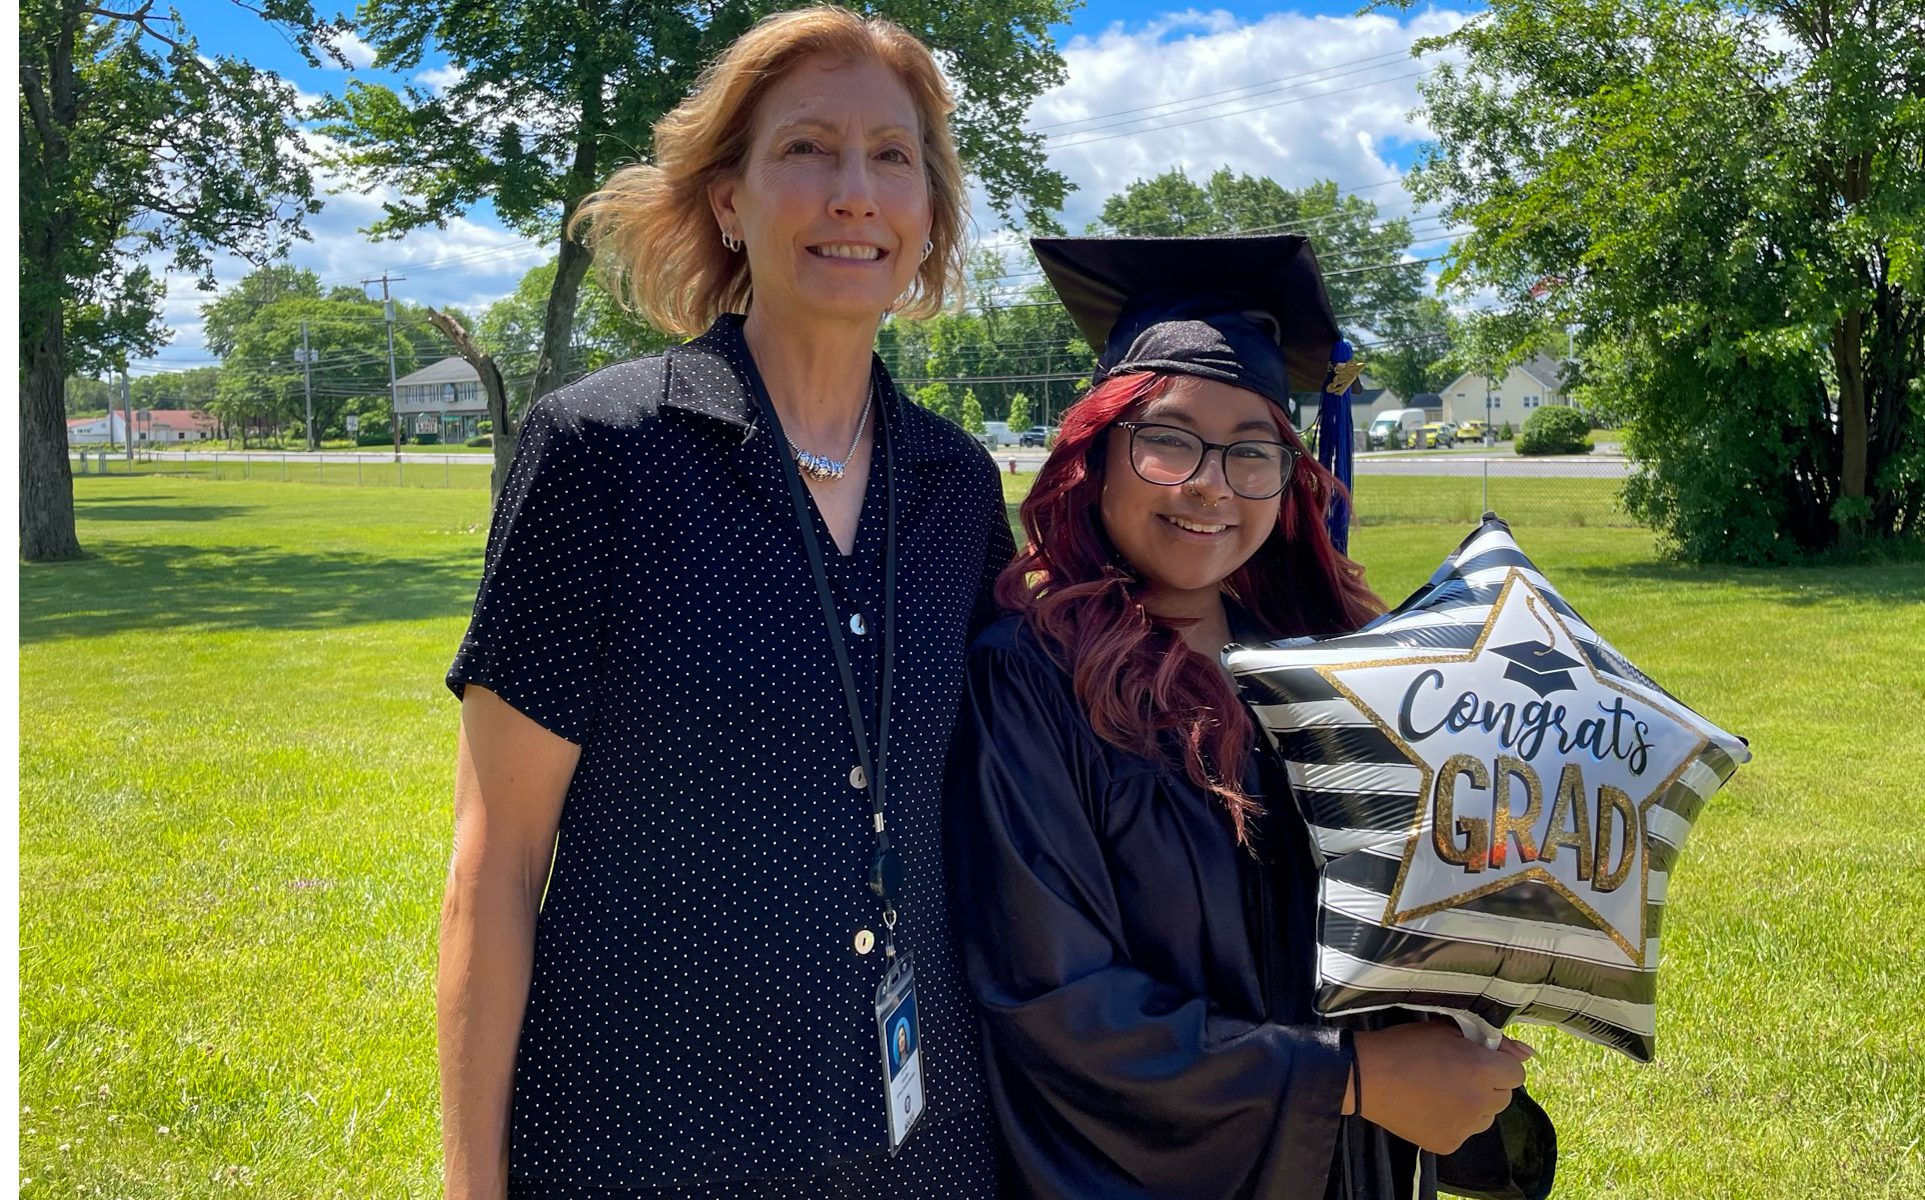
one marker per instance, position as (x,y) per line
(729,243)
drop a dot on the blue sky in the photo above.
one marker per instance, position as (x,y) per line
(1313,91)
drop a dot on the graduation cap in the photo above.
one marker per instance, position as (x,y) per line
(1541,668)
(1249,311)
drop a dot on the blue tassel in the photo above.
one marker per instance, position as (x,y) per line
(1333,443)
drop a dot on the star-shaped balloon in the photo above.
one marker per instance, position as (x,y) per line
(1498,795)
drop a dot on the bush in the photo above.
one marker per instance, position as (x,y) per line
(1555,430)
(485,439)
(1507,433)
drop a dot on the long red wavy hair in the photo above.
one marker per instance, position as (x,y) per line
(1132,672)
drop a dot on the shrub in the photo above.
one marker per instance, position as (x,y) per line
(1555,430)
(484,439)
(1507,433)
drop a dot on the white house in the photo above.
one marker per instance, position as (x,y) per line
(94,431)
(1367,399)
(152,426)
(1524,389)
(171,426)
(443,399)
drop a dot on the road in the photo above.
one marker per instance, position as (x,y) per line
(1460,465)
(1503,465)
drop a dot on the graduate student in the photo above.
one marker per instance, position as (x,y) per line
(1134,889)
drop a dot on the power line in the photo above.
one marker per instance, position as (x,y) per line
(1239,112)
(1272,87)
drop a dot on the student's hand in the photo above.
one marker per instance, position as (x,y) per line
(1429,1084)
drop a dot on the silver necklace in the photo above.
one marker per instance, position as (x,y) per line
(821,466)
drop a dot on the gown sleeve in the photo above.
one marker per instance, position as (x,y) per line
(1108,1081)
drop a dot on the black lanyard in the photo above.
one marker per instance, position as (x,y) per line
(885,869)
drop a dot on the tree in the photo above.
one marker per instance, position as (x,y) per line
(1416,354)
(1018,413)
(550,92)
(972,412)
(1371,287)
(1737,229)
(1015,339)
(603,333)
(256,329)
(89,397)
(132,143)
(492,386)
(194,388)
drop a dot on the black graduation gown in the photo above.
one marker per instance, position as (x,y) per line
(1144,985)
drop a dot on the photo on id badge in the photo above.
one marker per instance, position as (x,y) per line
(902,1060)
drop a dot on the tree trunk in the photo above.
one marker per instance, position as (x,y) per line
(46,481)
(1847,355)
(558,322)
(497,393)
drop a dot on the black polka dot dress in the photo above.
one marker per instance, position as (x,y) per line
(700,1020)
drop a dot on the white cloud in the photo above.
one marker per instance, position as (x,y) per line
(439,79)
(470,263)
(1293,97)
(359,54)
(1360,133)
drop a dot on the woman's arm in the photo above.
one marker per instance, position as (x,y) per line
(510,778)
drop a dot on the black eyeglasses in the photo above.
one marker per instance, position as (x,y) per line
(1169,456)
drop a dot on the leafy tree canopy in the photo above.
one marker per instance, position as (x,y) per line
(1372,289)
(134,143)
(1729,202)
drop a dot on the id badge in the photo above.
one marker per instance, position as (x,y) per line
(901,1033)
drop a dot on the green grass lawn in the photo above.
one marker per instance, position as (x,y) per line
(236,761)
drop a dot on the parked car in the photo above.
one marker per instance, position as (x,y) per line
(1470,431)
(1437,435)
(1397,427)
(1038,435)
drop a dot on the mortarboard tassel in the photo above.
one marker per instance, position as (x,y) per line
(1334,434)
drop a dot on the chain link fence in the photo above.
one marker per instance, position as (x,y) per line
(1456,489)
(339,468)
(1398,488)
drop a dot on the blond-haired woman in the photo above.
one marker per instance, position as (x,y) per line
(711,676)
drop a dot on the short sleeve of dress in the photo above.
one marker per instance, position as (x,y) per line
(535,636)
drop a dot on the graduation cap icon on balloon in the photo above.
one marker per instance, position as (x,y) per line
(1544,669)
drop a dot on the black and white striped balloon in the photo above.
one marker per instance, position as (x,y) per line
(1498,796)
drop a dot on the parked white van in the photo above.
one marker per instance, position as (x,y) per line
(997,434)
(1401,425)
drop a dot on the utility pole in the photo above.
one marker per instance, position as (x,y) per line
(387,312)
(127,410)
(1490,441)
(307,382)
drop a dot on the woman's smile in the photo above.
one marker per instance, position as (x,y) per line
(1197,528)
(849,251)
